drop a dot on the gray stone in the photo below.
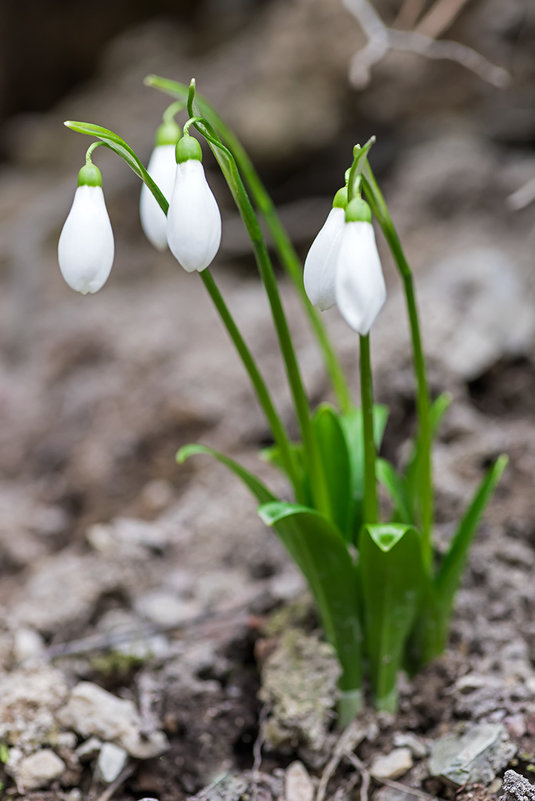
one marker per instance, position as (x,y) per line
(111,761)
(298,785)
(92,711)
(392,765)
(516,788)
(299,686)
(475,757)
(39,770)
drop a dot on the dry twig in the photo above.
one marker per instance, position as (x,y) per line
(381,39)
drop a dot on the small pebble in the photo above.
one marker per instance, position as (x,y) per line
(298,785)
(392,765)
(111,761)
(39,770)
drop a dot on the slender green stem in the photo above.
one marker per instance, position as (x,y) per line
(90,150)
(286,251)
(172,110)
(425,477)
(232,176)
(279,433)
(371,512)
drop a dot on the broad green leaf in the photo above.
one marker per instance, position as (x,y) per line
(396,487)
(449,573)
(320,552)
(392,577)
(332,445)
(259,490)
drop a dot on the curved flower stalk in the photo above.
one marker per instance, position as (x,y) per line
(86,246)
(193,219)
(161,168)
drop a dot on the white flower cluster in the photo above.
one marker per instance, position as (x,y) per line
(192,227)
(343,265)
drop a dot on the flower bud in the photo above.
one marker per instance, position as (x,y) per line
(193,219)
(86,247)
(359,285)
(320,263)
(161,168)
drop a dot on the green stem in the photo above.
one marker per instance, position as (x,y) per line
(285,249)
(230,171)
(425,475)
(279,433)
(366,392)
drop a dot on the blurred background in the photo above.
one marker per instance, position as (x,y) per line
(97,393)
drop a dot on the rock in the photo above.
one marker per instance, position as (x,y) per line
(392,765)
(29,699)
(406,739)
(164,609)
(39,770)
(516,788)
(475,757)
(27,645)
(299,686)
(393,794)
(298,785)
(111,761)
(89,749)
(92,711)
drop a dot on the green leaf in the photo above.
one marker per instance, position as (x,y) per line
(259,490)
(320,552)
(334,455)
(396,487)
(451,568)
(114,142)
(430,633)
(437,411)
(352,427)
(392,577)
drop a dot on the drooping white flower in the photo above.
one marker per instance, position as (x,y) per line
(86,246)
(359,285)
(320,263)
(193,219)
(161,168)
(343,265)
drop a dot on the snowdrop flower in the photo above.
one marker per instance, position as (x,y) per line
(193,219)
(344,267)
(359,283)
(161,168)
(320,263)
(86,247)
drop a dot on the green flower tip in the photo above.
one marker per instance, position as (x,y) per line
(89,175)
(188,148)
(168,133)
(358,211)
(340,199)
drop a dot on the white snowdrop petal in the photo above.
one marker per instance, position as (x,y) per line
(161,168)
(86,247)
(321,261)
(359,286)
(193,219)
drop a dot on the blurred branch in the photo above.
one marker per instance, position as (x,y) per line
(523,196)
(381,39)
(440,17)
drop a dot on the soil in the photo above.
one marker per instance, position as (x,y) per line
(157,581)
